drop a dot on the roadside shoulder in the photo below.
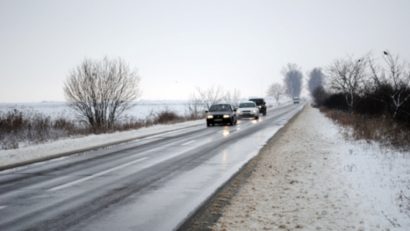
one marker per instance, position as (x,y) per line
(209,213)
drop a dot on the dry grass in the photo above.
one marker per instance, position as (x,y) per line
(18,127)
(166,117)
(382,129)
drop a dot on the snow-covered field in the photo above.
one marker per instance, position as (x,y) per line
(141,110)
(312,178)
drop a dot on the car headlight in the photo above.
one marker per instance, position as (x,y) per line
(226,116)
(254,111)
(210,117)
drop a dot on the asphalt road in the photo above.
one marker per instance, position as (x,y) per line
(153,183)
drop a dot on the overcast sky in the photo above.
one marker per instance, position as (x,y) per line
(177,46)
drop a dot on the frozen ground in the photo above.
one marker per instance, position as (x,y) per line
(313,179)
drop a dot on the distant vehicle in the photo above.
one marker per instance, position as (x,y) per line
(248,109)
(260,102)
(296,100)
(221,114)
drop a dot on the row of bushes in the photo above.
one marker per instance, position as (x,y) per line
(375,102)
(373,99)
(373,116)
(18,127)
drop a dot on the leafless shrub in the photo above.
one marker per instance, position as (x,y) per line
(100,91)
(16,127)
(129,123)
(167,116)
(347,76)
(11,121)
(196,108)
(395,75)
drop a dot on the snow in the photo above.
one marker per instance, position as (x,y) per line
(75,144)
(312,178)
(141,110)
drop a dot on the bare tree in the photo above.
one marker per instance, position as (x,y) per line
(100,91)
(232,97)
(196,108)
(212,95)
(316,79)
(202,99)
(394,74)
(276,90)
(293,80)
(347,76)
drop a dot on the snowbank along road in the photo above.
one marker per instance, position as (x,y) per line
(153,183)
(316,179)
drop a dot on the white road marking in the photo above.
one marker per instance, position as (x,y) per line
(189,142)
(3,207)
(95,175)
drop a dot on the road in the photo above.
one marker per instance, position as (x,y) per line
(153,183)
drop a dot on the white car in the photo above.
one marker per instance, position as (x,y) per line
(248,109)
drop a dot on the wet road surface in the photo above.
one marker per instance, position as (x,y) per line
(153,183)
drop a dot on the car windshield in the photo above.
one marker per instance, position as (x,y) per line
(242,105)
(220,107)
(257,101)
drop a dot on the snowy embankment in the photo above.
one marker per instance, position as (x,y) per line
(312,178)
(82,143)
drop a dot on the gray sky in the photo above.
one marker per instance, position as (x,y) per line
(177,46)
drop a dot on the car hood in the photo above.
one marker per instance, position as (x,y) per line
(219,113)
(247,108)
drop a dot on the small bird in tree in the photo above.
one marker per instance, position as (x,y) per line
(385,53)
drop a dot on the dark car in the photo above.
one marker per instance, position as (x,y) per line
(260,102)
(221,114)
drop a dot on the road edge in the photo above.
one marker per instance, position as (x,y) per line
(208,213)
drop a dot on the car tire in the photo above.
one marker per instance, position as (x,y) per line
(256,117)
(231,122)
